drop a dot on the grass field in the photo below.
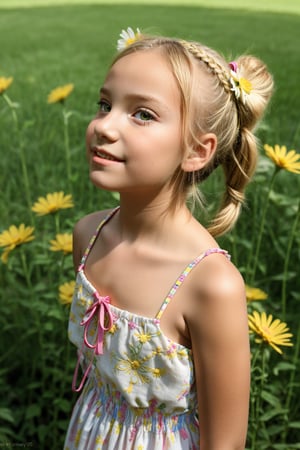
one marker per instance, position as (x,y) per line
(46,44)
(290,6)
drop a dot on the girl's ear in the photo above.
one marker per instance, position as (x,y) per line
(201,154)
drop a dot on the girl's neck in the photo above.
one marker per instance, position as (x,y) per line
(149,219)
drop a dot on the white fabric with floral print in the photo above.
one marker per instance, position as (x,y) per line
(140,392)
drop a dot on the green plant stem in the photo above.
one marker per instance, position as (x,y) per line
(20,146)
(37,321)
(26,269)
(66,115)
(57,222)
(289,395)
(286,262)
(61,268)
(257,404)
(261,228)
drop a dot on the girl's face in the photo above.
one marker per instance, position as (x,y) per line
(134,142)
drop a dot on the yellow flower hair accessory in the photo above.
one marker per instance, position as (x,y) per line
(128,37)
(240,86)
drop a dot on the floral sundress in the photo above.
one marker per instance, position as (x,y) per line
(138,387)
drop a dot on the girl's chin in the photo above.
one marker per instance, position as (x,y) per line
(98,181)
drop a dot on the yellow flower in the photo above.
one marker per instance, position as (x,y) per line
(60,93)
(143,338)
(14,237)
(113,329)
(157,373)
(52,203)
(275,332)
(62,243)
(66,292)
(254,294)
(240,86)
(5,83)
(289,161)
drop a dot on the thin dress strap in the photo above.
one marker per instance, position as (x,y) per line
(183,276)
(95,235)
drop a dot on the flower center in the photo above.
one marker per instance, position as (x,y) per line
(130,41)
(135,364)
(245,85)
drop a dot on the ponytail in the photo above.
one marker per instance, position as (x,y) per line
(238,169)
(240,161)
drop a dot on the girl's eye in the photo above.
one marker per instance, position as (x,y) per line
(104,106)
(144,115)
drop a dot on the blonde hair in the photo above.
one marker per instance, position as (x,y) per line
(214,109)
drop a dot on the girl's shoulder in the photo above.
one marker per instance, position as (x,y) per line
(83,232)
(88,224)
(218,290)
(219,278)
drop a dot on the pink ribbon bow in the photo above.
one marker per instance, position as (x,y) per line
(100,306)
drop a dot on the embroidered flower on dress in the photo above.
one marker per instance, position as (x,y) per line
(128,37)
(157,373)
(131,325)
(143,338)
(134,366)
(113,329)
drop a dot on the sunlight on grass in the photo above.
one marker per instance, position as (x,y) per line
(291,6)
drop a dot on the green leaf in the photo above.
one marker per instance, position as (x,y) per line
(6,414)
(294,425)
(283,366)
(272,413)
(33,411)
(269,398)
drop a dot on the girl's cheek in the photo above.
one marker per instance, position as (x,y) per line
(89,132)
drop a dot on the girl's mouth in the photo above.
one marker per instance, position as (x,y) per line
(105,156)
(102,154)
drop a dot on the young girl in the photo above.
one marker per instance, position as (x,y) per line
(159,312)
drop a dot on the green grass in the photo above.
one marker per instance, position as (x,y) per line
(291,6)
(45,47)
(71,41)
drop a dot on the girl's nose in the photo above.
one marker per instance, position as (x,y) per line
(106,127)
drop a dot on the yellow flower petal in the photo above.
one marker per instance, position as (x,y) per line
(52,203)
(14,237)
(287,160)
(254,294)
(5,83)
(60,93)
(62,243)
(66,292)
(245,85)
(274,332)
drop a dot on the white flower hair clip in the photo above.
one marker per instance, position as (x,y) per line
(128,37)
(240,86)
